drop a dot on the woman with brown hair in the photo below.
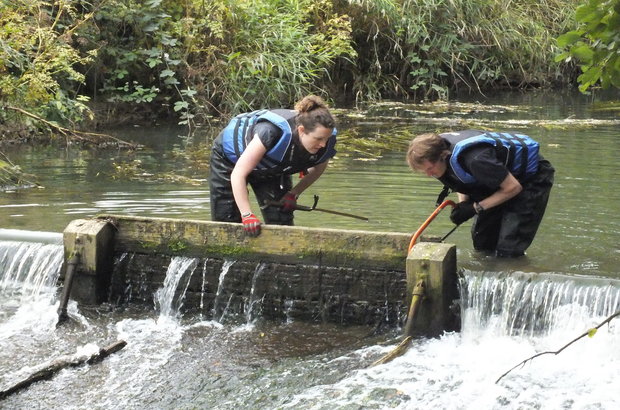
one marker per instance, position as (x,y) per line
(501,180)
(264,148)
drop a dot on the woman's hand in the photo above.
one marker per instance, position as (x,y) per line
(462,212)
(251,224)
(289,202)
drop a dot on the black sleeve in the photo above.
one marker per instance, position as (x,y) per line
(483,164)
(268,133)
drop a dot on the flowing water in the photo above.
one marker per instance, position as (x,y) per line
(511,310)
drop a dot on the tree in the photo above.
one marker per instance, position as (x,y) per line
(595,44)
(39,62)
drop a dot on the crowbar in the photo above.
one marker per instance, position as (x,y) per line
(314,208)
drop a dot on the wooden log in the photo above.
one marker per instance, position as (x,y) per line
(63,362)
(83,136)
(394,353)
(277,243)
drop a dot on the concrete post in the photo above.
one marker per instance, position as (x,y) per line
(435,263)
(92,240)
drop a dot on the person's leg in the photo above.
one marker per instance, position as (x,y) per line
(223,205)
(524,213)
(514,237)
(272,189)
(485,230)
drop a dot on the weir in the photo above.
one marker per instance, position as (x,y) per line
(214,269)
(16,235)
(29,268)
(526,304)
(506,317)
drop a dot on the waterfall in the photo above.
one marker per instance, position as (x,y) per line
(203,286)
(168,298)
(29,270)
(523,305)
(220,290)
(252,301)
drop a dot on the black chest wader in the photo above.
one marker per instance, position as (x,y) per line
(508,230)
(272,177)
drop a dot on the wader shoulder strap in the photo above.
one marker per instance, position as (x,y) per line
(442,195)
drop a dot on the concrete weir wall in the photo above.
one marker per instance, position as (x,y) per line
(301,273)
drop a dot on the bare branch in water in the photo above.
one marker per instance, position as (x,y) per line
(54,367)
(590,332)
(83,136)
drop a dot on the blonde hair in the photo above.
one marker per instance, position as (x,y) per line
(426,147)
(313,111)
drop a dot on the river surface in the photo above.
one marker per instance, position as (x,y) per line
(188,363)
(580,233)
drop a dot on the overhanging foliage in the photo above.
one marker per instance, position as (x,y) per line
(595,44)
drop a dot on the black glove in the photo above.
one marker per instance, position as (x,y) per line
(462,212)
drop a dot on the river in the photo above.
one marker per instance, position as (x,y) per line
(187,362)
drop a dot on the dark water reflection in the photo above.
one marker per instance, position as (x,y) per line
(579,235)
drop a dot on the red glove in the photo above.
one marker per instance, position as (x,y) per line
(289,202)
(251,224)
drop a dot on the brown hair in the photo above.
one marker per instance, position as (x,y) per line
(429,146)
(313,111)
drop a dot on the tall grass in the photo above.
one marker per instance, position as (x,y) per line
(272,53)
(198,58)
(427,48)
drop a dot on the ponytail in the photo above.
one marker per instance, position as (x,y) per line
(313,111)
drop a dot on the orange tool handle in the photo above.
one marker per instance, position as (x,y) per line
(421,229)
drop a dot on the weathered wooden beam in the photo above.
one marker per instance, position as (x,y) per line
(285,244)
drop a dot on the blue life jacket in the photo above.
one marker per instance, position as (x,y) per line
(519,151)
(240,131)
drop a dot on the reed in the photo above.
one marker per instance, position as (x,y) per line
(271,53)
(429,48)
(196,58)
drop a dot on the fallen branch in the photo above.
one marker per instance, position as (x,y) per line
(90,137)
(12,176)
(68,361)
(394,353)
(590,332)
(416,299)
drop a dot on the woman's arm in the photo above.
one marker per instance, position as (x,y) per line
(313,174)
(508,189)
(248,160)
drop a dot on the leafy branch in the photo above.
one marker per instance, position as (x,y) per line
(590,332)
(595,44)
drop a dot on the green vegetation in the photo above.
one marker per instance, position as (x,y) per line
(40,61)
(177,245)
(429,48)
(595,44)
(65,63)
